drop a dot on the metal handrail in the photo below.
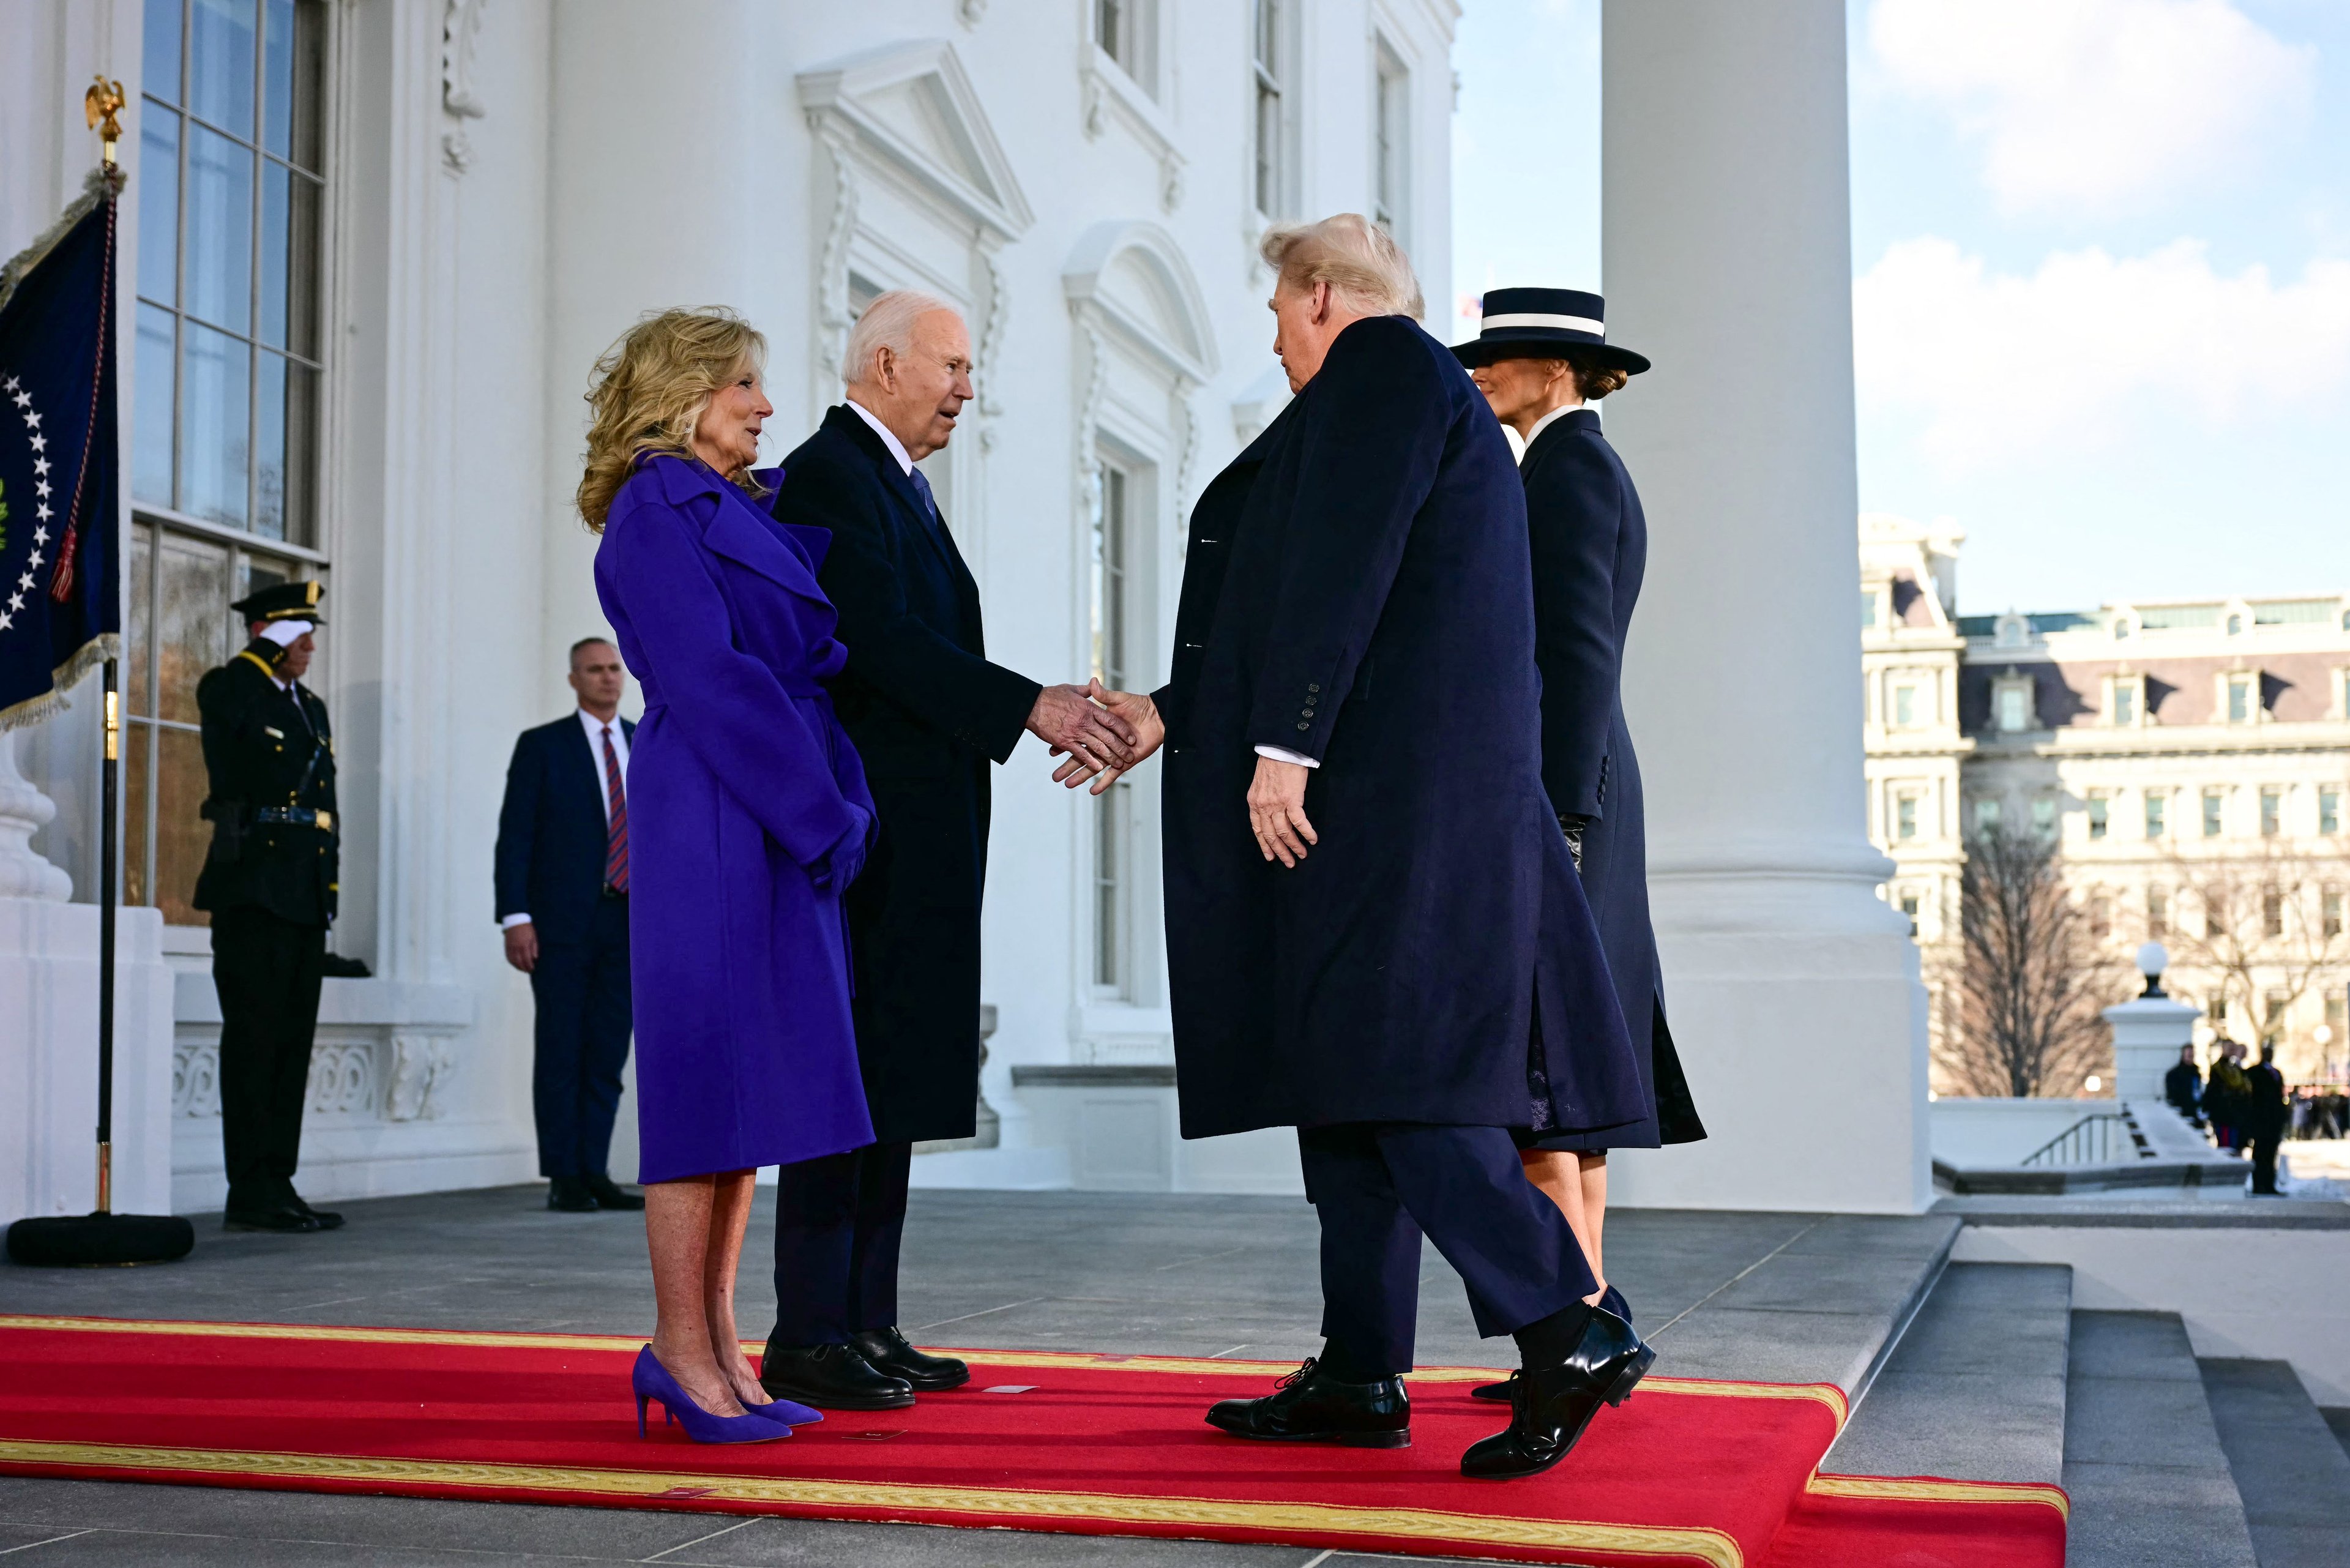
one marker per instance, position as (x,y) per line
(2092,1140)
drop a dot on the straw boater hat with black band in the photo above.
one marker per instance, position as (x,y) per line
(1547,324)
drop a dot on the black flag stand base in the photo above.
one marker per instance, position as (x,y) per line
(103,1239)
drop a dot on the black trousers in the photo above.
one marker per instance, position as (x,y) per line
(2264,1159)
(840,1220)
(1380,1187)
(582,1042)
(267,971)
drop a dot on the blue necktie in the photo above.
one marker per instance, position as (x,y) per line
(930,501)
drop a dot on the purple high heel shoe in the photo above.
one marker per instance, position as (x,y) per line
(650,1382)
(784,1413)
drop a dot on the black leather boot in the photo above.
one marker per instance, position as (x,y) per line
(1551,1405)
(1312,1407)
(1611,1298)
(891,1357)
(831,1378)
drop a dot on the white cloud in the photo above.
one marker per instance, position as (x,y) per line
(2096,104)
(2005,368)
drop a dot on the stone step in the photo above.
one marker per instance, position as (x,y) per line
(1975,1388)
(2151,1483)
(2290,1469)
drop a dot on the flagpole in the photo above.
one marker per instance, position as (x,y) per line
(109,857)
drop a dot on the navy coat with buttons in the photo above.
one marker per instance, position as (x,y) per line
(1590,542)
(928,713)
(1356,590)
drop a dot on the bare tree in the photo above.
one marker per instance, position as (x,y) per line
(2031,978)
(2260,931)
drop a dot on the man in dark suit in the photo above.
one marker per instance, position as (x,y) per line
(2265,1116)
(563,899)
(928,714)
(269,882)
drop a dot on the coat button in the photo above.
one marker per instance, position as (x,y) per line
(1311,687)
(1305,726)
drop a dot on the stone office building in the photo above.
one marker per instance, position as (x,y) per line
(2191,758)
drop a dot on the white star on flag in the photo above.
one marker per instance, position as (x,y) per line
(25,581)
(40,536)
(40,443)
(5,622)
(40,465)
(34,560)
(16,602)
(44,514)
(41,487)
(33,420)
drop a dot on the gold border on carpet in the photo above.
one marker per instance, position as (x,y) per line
(1710,1547)
(1919,1488)
(1822,1392)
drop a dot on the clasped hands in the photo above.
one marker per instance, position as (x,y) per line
(1109,731)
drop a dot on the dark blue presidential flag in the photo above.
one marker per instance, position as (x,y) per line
(60,606)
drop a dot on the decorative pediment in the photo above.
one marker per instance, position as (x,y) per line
(911,109)
(1133,275)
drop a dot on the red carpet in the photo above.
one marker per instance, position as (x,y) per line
(1687,1472)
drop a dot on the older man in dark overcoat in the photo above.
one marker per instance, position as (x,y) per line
(1375,933)
(929,715)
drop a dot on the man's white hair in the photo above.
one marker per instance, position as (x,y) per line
(887,323)
(1360,261)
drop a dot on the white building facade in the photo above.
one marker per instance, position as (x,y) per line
(372,247)
(2191,760)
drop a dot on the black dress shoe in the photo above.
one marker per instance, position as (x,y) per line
(326,1221)
(1312,1407)
(279,1217)
(1551,1405)
(569,1195)
(1611,1299)
(831,1378)
(608,1194)
(885,1350)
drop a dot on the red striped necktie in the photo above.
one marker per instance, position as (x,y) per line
(616,835)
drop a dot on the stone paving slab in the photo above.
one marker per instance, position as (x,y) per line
(2150,1485)
(2293,1477)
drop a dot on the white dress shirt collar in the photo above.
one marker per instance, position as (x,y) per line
(1544,423)
(896,448)
(595,727)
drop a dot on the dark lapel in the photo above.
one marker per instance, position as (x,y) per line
(914,518)
(1557,434)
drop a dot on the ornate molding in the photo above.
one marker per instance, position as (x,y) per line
(403,1079)
(461,31)
(832,262)
(991,348)
(1096,375)
(421,1069)
(1108,93)
(971,12)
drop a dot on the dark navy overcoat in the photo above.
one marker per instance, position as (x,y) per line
(1590,543)
(1357,589)
(747,814)
(930,715)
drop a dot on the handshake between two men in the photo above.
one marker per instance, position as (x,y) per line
(1104,734)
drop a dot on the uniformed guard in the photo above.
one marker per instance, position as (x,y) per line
(269,884)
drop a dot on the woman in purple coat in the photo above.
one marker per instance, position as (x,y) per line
(750,817)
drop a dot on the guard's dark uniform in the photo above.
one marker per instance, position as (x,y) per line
(269,884)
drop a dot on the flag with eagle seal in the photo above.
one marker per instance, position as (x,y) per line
(61,584)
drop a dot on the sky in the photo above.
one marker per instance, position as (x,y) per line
(2101,261)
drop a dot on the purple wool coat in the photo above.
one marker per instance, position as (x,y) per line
(748,816)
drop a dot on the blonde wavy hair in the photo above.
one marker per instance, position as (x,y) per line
(650,390)
(1360,261)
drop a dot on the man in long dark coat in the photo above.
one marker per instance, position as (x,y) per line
(928,714)
(1375,933)
(1541,357)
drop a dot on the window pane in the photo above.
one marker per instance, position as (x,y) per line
(1108,877)
(192,617)
(136,698)
(278,76)
(158,203)
(216,412)
(159,43)
(220,67)
(150,412)
(182,835)
(289,251)
(2155,806)
(284,417)
(137,884)
(306,70)
(220,230)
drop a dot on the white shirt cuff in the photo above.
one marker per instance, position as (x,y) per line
(1280,755)
(510,922)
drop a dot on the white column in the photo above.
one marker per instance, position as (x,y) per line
(1793,988)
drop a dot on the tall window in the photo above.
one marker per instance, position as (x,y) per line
(2215,802)
(225,427)
(1114,808)
(1269,58)
(2337,1010)
(2240,699)
(2124,709)
(1124,30)
(2156,808)
(1987,815)
(2100,813)
(1390,141)
(2330,912)
(2013,705)
(2272,913)
(1905,816)
(2158,912)
(2215,919)
(2271,811)
(1904,706)
(2329,809)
